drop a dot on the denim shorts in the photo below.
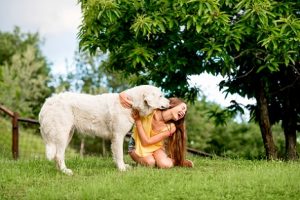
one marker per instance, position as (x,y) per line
(131,144)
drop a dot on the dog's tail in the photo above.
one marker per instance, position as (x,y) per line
(50,151)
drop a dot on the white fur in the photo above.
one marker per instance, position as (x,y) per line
(95,115)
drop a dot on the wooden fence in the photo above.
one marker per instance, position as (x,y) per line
(15,119)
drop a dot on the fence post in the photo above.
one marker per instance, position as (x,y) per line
(15,136)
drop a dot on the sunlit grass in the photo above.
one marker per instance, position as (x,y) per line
(97,178)
(33,177)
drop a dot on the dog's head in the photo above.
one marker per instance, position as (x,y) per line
(146,98)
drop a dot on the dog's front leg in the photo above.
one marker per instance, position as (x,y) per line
(117,150)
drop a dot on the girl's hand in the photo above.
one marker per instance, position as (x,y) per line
(135,114)
(125,100)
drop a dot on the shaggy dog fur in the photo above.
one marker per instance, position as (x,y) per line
(95,115)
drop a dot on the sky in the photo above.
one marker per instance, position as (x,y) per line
(57,22)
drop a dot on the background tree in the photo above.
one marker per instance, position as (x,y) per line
(89,75)
(269,51)
(284,106)
(24,73)
(285,33)
(233,137)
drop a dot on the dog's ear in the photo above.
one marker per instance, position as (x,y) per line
(149,100)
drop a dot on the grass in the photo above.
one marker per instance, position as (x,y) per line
(97,178)
(33,177)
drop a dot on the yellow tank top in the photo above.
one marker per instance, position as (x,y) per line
(141,150)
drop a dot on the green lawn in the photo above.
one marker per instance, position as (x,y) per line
(97,178)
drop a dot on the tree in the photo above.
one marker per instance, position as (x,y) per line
(269,49)
(25,74)
(231,139)
(285,33)
(165,41)
(162,41)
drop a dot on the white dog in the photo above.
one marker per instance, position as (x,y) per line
(96,115)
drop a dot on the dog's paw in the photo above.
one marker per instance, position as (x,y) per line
(68,172)
(124,167)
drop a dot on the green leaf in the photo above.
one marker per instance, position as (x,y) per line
(260,68)
(198,28)
(189,23)
(200,10)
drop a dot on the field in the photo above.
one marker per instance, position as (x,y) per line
(33,177)
(97,178)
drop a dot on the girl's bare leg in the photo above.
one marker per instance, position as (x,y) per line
(162,159)
(145,161)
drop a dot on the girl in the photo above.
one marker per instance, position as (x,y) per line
(147,147)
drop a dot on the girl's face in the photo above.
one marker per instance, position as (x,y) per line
(179,111)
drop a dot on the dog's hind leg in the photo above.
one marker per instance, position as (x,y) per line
(60,161)
(117,150)
(60,153)
(50,151)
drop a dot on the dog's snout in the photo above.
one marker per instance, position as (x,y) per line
(164,107)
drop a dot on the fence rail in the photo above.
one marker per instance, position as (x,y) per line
(32,121)
(7,111)
(15,119)
(15,128)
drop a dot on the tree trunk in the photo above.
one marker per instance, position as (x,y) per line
(264,122)
(289,124)
(290,144)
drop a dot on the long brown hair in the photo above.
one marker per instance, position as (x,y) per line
(176,145)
